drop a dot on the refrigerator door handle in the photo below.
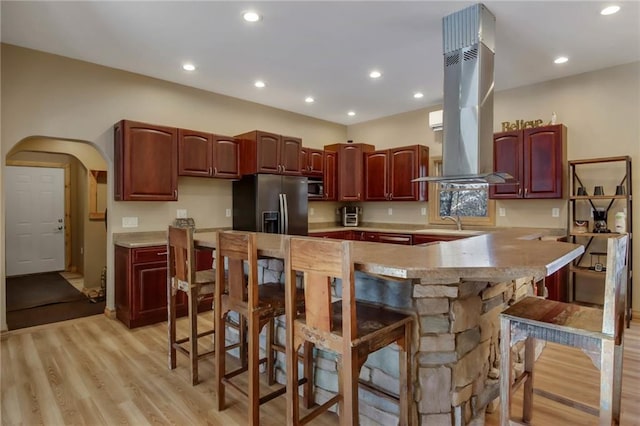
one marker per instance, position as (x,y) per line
(286,214)
(282,213)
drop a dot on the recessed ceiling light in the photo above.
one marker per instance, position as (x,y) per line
(610,10)
(251,16)
(375,74)
(309,100)
(188,67)
(259,84)
(351,113)
(418,95)
(560,60)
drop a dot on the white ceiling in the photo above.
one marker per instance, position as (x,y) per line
(323,49)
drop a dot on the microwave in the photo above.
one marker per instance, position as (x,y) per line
(315,188)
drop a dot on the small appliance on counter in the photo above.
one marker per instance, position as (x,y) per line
(350,215)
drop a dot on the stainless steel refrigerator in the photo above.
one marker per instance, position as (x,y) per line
(271,203)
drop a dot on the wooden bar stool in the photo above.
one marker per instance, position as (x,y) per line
(182,276)
(349,328)
(599,333)
(259,305)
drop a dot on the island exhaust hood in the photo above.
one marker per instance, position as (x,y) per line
(467,150)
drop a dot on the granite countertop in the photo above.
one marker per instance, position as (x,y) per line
(502,253)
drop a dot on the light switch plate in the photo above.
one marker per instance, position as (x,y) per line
(311,211)
(502,211)
(390,211)
(423,211)
(130,222)
(228,212)
(181,213)
(555,212)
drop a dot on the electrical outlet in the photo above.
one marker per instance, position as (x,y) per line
(390,211)
(130,222)
(311,211)
(423,211)
(502,211)
(181,213)
(227,212)
(555,212)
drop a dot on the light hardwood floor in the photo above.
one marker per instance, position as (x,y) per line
(95,371)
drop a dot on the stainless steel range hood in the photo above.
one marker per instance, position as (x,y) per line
(468,47)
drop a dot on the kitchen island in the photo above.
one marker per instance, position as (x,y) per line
(456,290)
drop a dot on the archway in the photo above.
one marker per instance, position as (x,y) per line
(85,204)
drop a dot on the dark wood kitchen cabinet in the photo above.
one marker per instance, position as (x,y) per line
(386,237)
(388,174)
(145,162)
(141,285)
(330,176)
(263,152)
(432,238)
(208,155)
(350,180)
(535,157)
(311,162)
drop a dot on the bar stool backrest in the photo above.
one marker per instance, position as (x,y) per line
(181,254)
(321,261)
(615,292)
(239,248)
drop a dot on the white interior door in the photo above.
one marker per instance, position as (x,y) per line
(34,220)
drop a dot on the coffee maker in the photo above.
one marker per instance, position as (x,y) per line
(600,221)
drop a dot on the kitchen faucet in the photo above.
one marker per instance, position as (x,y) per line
(455,219)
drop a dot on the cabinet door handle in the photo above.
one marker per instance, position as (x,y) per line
(519,191)
(358,195)
(162,254)
(175,194)
(209,170)
(526,191)
(215,170)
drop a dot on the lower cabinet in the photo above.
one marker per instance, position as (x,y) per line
(141,285)
(422,238)
(389,238)
(556,285)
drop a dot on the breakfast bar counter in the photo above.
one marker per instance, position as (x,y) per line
(455,289)
(499,255)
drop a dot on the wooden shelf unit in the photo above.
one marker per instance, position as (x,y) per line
(605,202)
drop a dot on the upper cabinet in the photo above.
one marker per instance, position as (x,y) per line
(264,152)
(330,176)
(535,157)
(145,162)
(208,155)
(350,168)
(311,162)
(388,174)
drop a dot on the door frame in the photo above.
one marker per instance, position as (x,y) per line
(67,200)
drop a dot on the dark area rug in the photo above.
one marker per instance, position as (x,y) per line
(45,298)
(53,313)
(29,291)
